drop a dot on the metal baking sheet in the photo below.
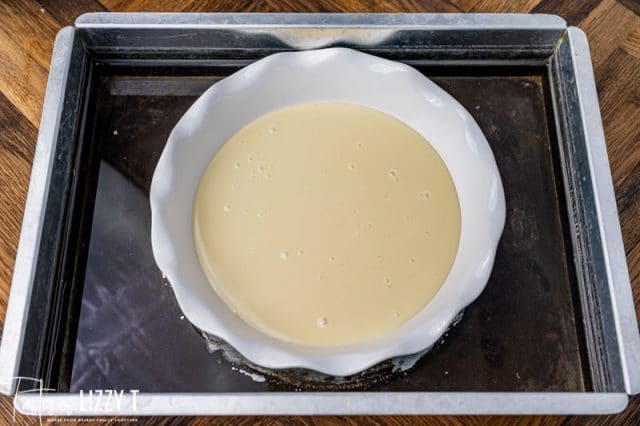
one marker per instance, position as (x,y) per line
(529,293)
(554,331)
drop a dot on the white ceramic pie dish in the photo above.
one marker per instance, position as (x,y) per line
(327,75)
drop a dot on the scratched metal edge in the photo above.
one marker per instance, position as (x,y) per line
(110,35)
(324,403)
(603,358)
(336,20)
(25,264)
(611,234)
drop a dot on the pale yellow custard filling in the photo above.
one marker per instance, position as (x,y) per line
(326,224)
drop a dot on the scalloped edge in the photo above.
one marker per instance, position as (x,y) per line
(288,78)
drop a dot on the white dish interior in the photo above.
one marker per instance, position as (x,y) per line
(328,75)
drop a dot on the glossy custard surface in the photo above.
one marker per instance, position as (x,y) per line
(326,224)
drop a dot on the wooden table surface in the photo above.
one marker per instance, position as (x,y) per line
(28,28)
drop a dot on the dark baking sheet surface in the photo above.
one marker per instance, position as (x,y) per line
(522,334)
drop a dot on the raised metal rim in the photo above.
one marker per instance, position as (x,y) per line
(423,21)
(323,403)
(611,234)
(23,272)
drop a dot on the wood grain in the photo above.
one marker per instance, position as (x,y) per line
(36,28)
(65,12)
(27,32)
(467,5)
(23,81)
(16,152)
(497,6)
(607,26)
(572,12)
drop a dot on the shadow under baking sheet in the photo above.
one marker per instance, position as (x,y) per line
(521,334)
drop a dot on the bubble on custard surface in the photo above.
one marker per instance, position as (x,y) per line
(284,255)
(322,322)
(272,130)
(226,208)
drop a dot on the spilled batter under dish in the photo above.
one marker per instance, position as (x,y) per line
(326,224)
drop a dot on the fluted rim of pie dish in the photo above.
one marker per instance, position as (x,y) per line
(325,75)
